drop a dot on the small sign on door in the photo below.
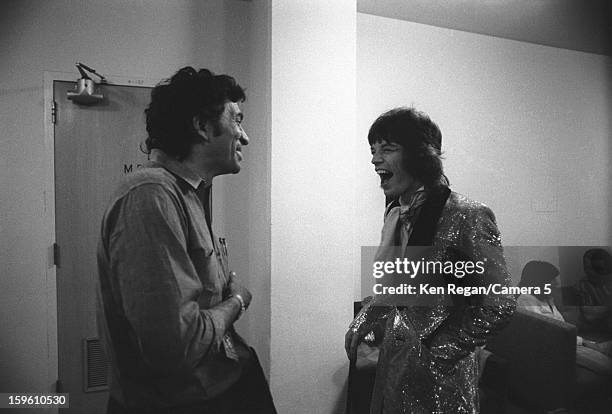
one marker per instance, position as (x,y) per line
(128,168)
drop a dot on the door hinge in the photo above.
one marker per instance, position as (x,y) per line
(56,254)
(54,112)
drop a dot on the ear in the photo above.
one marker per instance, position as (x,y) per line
(200,128)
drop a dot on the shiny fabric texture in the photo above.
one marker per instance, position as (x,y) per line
(427,360)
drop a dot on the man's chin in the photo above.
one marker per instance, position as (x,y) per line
(233,169)
(385,190)
(389,193)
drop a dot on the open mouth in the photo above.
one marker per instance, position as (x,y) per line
(385,175)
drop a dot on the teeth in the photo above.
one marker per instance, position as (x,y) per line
(384,174)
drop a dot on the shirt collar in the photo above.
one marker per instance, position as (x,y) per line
(176,167)
(418,194)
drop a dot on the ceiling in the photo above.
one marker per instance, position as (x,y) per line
(584,25)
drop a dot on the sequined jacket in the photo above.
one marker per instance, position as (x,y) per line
(427,362)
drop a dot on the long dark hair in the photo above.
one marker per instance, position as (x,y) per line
(537,274)
(422,139)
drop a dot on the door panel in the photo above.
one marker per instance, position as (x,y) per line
(94,147)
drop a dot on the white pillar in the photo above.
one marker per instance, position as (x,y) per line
(313,72)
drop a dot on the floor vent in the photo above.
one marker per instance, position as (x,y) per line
(96,366)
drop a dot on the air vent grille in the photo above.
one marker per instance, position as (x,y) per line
(96,366)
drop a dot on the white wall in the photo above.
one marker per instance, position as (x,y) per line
(139,39)
(313,259)
(244,199)
(525,127)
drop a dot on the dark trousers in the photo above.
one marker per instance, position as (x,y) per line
(250,395)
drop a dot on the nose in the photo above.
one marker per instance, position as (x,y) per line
(376,158)
(244,138)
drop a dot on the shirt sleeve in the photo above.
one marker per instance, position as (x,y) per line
(156,280)
(480,317)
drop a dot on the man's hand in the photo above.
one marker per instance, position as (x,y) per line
(226,312)
(361,327)
(234,287)
(354,335)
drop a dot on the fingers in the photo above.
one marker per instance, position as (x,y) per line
(248,297)
(236,287)
(232,276)
(351,341)
(347,341)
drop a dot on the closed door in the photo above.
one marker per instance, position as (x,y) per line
(95,146)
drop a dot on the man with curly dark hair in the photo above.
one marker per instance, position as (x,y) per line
(167,301)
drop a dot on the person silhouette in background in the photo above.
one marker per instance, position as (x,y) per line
(545,277)
(589,354)
(595,290)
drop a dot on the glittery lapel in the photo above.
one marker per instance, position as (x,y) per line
(425,228)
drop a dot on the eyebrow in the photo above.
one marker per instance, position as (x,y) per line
(388,144)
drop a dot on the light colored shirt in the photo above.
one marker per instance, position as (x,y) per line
(394,225)
(409,210)
(543,307)
(160,270)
